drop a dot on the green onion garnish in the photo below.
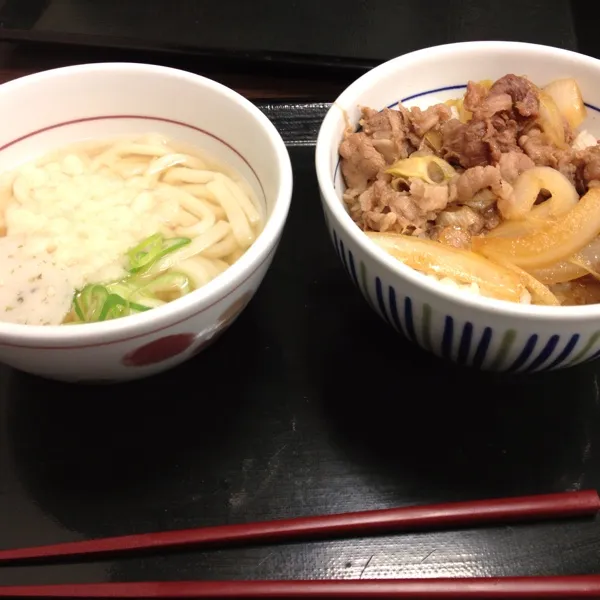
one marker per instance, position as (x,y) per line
(148,251)
(90,302)
(97,302)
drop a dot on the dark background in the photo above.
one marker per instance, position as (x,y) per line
(309,404)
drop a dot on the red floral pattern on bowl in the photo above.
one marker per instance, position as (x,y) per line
(169,346)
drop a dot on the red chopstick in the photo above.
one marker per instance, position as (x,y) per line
(579,586)
(568,504)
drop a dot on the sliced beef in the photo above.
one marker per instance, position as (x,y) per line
(485,105)
(428,119)
(585,290)
(465,143)
(461,217)
(381,208)
(361,162)
(588,162)
(500,116)
(431,199)
(504,134)
(479,142)
(512,164)
(474,96)
(475,180)
(523,93)
(390,131)
(542,153)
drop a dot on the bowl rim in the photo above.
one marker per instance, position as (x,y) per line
(208,295)
(325,139)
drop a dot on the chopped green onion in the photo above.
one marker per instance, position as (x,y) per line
(113,308)
(90,301)
(96,303)
(148,251)
(138,307)
(134,294)
(167,286)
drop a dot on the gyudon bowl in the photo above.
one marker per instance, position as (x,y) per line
(461,189)
(147,213)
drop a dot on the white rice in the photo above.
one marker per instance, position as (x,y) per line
(584,140)
(473,288)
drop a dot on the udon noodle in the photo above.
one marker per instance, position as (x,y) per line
(105,229)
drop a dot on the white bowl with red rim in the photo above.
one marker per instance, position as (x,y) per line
(470,330)
(54,108)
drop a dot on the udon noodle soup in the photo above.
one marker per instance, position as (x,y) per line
(106,229)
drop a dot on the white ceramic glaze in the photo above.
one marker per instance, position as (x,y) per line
(470,330)
(60,106)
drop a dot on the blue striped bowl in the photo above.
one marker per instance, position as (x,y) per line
(470,330)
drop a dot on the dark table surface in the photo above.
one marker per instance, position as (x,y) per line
(308,405)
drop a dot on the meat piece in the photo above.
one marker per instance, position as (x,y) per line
(390,132)
(474,96)
(473,180)
(541,152)
(512,164)
(429,198)
(361,162)
(428,119)
(382,208)
(522,92)
(499,117)
(461,217)
(585,290)
(582,167)
(503,135)
(479,142)
(485,105)
(589,159)
(495,103)
(388,209)
(476,179)
(465,143)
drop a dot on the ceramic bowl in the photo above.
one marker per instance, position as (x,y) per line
(57,107)
(470,330)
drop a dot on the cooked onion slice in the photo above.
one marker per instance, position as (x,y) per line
(551,243)
(567,97)
(582,263)
(517,228)
(463,266)
(550,120)
(428,168)
(540,293)
(526,189)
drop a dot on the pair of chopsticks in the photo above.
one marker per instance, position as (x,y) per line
(411,518)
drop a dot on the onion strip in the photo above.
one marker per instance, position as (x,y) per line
(552,243)
(462,266)
(540,293)
(550,119)
(526,189)
(567,97)
(579,265)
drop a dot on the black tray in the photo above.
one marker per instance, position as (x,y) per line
(310,404)
(348,34)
